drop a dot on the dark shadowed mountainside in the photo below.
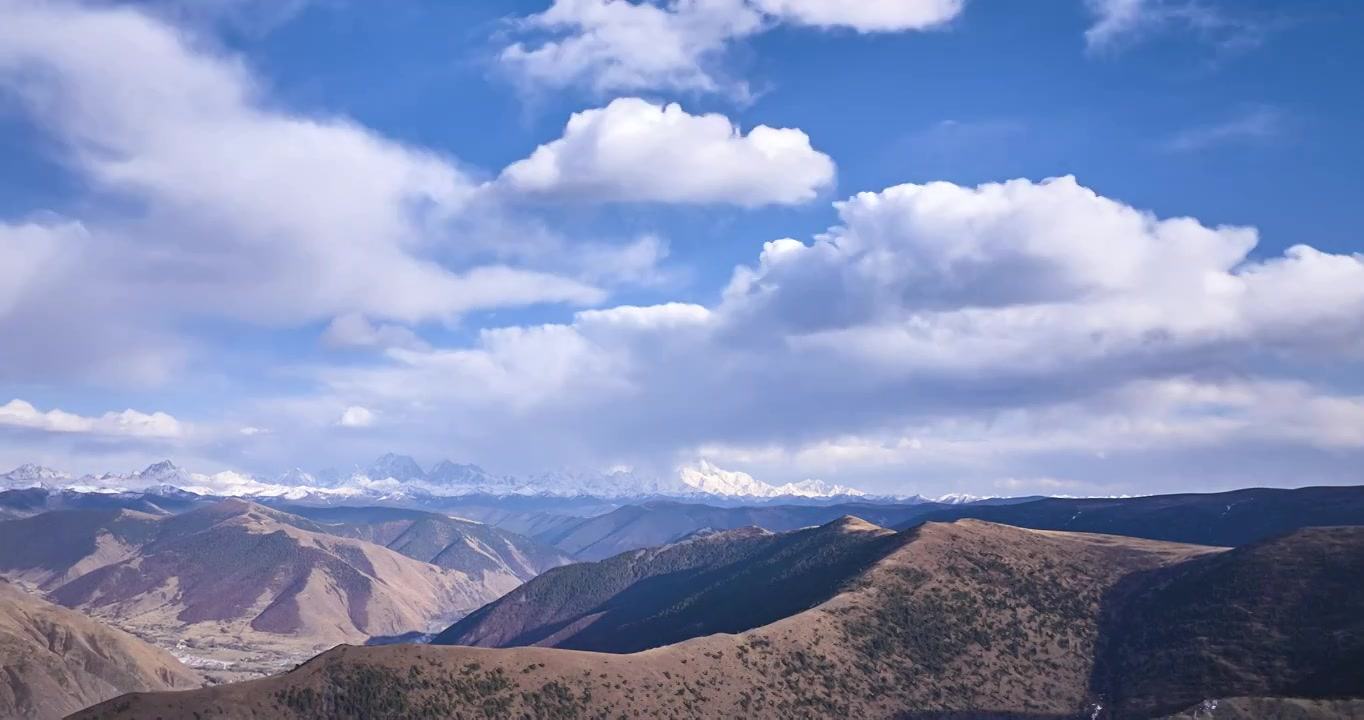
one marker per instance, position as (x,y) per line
(1284,617)
(724,582)
(1252,708)
(1225,519)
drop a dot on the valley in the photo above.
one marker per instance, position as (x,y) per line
(242,590)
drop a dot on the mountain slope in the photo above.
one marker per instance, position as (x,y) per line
(1225,519)
(479,550)
(969,618)
(236,581)
(657,523)
(649,598)
(1253,708)
(1281,617)
(50,549)
(56,661)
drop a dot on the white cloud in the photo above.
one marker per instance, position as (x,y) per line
(865,15)
(636,151)
(1114,19)
(28,251)
(616,45)
(225,205)
(356,331)
(356,417)
(653,317)
(128,423)
(622,45)
(1251,126)
(1121,23)
(937,329)
(1030,275)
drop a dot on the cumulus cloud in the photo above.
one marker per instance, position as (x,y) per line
(1028,271)
(219,189)
(128,423)
(633,150)
(623,45)
(356,417)
(986,332)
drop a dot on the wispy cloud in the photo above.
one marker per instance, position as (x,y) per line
(1119,24)
(1254,125)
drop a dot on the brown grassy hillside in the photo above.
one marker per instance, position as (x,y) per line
(54,661)
(960,618)
(961,621)
(236,582)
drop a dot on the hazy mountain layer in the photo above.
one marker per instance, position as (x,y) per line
(478,550)
(657,523)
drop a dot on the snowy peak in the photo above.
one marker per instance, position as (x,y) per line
(30,475)
(395,477)
(162,473)
(398,467)
(706,477)
(818,488)
(29,471)
(961,499)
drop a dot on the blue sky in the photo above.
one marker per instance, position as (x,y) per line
(252,235)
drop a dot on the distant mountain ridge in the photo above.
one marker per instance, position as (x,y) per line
(397,476)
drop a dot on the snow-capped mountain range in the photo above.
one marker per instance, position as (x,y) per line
(395,476)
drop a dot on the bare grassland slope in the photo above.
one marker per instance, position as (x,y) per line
(54,661)
(967,617)
(235,582)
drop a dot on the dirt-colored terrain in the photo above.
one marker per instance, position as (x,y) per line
(54,661)
(235,588)
(966,617)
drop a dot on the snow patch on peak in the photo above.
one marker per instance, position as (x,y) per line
(706,477)
(398,477)
(817,489)
(30,475)
(962,498)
